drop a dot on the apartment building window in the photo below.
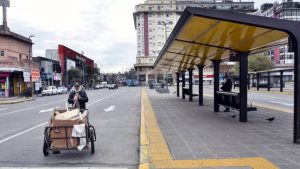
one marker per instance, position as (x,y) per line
(20,57)
(1,53)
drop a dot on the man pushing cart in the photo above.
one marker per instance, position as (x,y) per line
(70,129)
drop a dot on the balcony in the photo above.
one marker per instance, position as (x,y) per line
(143,65)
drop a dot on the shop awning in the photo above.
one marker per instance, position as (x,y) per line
(202,35)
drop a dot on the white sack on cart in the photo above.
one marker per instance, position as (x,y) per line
(79,131)
(68,115)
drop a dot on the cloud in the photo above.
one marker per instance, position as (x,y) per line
(103,29)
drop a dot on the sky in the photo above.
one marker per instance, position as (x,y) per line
(102,29)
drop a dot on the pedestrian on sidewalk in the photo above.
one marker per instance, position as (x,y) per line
(227,87)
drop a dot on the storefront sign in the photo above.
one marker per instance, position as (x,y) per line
(57,76)
(35,74)
(82,59)
(26,76)
(4,74)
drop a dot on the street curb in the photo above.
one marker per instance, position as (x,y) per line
(16,101)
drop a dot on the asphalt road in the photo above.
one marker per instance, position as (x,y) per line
(273,101)
(114,113)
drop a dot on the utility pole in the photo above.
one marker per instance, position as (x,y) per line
(166,38)
(30,63)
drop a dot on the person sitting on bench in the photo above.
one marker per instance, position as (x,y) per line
(226,87)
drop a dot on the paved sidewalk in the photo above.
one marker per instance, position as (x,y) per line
(195,132)
(14,100)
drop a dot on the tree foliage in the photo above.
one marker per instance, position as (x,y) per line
(256,63)
(74,75)
(92,73)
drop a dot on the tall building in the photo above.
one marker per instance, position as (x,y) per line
(288,10)
(154,21)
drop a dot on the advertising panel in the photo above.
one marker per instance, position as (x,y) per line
(26,76)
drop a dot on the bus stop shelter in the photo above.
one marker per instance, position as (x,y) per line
(202,37)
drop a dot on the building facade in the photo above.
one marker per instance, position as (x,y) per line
(16,67)
(69,58)
(154,21)
(288,10)
(50,71)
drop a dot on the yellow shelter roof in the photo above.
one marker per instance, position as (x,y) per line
(202,35)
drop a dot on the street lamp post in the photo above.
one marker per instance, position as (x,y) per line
(30,62)
(166,38)
(52,69)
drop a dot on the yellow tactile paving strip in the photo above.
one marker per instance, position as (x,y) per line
(155,153)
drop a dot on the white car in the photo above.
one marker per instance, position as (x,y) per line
(51,90)
(62,90)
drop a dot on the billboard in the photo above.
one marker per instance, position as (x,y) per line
(26,76)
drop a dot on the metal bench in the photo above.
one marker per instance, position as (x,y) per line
(186,92)
(232,100)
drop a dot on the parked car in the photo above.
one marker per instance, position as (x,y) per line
(97,87)
(62,90)
(112,86)
(101,86)
(50,90)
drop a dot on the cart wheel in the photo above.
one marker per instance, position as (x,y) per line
(92,141)
(45,149)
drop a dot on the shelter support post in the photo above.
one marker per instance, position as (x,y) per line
(269,81)
(183,83)
(177,83)
(248,81)
(281,81)
(296,48)
(200,68)
(190,84)
(257,81)
(253,77)
(243,57)
(216,64)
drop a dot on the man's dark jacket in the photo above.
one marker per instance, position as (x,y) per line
(82,98)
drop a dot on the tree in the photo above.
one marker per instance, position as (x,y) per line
(256,63)
(92,73)
(74,75)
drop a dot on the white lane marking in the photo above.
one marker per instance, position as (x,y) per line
(47,110)
(23,132)
(110,108)
(282,103)
(3,109)
(2,114)
(13,136)
(101,99)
